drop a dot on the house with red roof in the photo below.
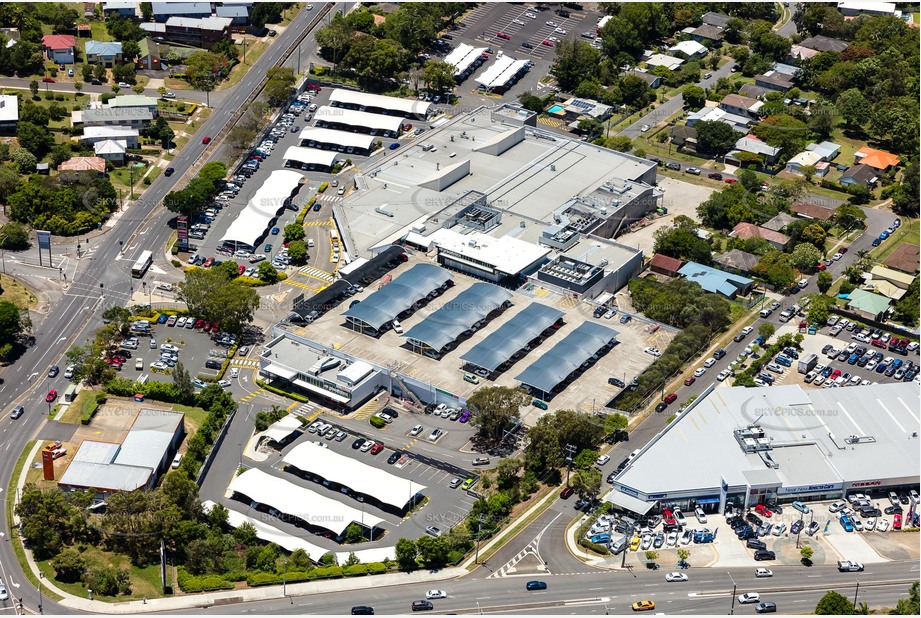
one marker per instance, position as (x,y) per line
(59,48)
(877,159)
(749,230)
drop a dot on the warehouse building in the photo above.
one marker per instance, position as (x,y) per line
(742,446)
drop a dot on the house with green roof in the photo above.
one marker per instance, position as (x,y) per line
(867,304)
(131,101)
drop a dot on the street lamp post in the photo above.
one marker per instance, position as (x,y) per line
(284,581)
(733,605)
(856,591)
(570,449)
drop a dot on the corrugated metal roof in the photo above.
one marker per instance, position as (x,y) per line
(456,316)
(512,336)
(399,295)
(566,356)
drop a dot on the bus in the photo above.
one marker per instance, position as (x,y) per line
(140,267)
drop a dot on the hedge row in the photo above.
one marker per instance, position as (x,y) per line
(377,422)
(305,210)
(331,572)
(201,583)
(91,407)
(595,547)
(281,392)
(323,187)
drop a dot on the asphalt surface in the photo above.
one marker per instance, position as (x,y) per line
(102,278)
(794,589)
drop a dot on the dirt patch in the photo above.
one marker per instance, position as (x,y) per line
(788,553)
(896,545)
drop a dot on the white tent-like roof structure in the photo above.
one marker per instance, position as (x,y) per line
(351,118)
(392,105)
(463,57)
(337,138)
(280,430)
(262,209)
(352,473)
(305,504)
(500,72)
(311,156)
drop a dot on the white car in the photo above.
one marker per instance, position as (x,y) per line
(709,362)
(747,330)
(4,595)
(603,459)
(836,257)
(530,15)
(436,594)
(749,597)
(366,446)
(671,539)
(676,577)
(552,24)
(224,383)
(653,351)
(764,573)
(168,347)
(644,128)
(234,372)
(700,371)
(882,525)
(560,31)
(436,433)
(416,430)
(722,375)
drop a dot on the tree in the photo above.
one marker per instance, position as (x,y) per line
(297,252)
(279,84)
(909,606)
(776,268)
(614,423)
(585,459)
(824,281)
(806,555)
(99,72)
(335,39)
(12,323)
(183,381)
(214,296)
(69,566)
(438,75)
(833,603)
(14,236)
(694,97)
(266,13)
(682,243)
(620,143)
(294,231)
(850,217)
(805,257)
(716,137)
(766,330)
(406,554)
(33,87)
(268,273)
(576,61)
(36,139)
(683,555)
(587,483)
(815,235)
(651,556)
(495,408)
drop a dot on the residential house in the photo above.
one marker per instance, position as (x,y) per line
(752,145)
(106,53)
(821,43)
(741,106)
(149,56)
(59,48)
(772,80)
(707,34)
(811,210)
(905,258)
(779,222)
(804,159)
(114,150)
(133,117)
(859,175)
(662,60)
(77,165)
(9,113)
(665,265)
(716,114)
(827,150)
(84,31)
(89,10)
(691,49)
(852,9)
(92,135)
(575,108)
(238,13)
(877,159)
(132,101)
(716,281)
(163,11)
(737,261)
(652,80)
(750,230)
(128,10)
(798,52)
(203,32)
(896,278)
(683,135)
(715,19)
(753,91)
(867,304)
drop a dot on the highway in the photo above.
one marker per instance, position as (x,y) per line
(708,591)
(102,278)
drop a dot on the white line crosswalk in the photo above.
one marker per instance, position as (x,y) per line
(316,273)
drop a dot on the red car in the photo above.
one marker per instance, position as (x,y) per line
(214,328)
(878,343)
(821,266)
(377,448)
(241,269)
(690,381)
(206,327)
(669,399)
(502,35)
(205,140)
(547,43)
(730,181)
(48,80)
(51,396)
(897,521)
(198,323)
(763,510)
(669,517)
(567,491)
(835,373)
(209,262)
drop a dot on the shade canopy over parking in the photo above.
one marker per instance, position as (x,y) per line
(360,120)
(399,295)
(566,356)
(501,72)
(393,106)
(458,315)
(253,221)
(512,336)
(305,504)
(311,156)
(463,57)
(361,478)
(334,138)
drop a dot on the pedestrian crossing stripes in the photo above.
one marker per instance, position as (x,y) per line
(503,571)
(312,288)
(244,362)
(330,199)
(325,223)
(251,396)
(316,273)
(550,122)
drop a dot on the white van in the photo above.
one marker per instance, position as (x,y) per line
(310,242)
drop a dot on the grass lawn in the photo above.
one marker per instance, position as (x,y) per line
(848,146)
(907,233)
(145,583)
(75,412)
(100,33)
(254,50)
(122,176)
(194,417)
(17,293)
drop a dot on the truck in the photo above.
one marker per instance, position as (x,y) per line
(849,565)
(807,363)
